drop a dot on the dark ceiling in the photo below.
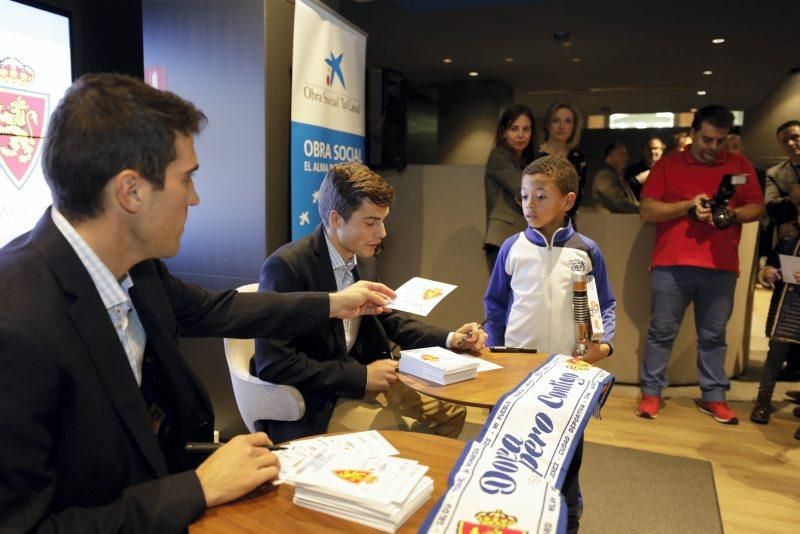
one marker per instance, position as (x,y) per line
(632,56)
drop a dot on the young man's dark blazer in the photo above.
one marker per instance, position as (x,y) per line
(77,448)
(319,366)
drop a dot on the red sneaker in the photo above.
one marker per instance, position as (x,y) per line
(648,406)
(720,411)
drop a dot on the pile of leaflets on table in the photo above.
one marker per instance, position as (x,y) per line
(356,477)
(438,365)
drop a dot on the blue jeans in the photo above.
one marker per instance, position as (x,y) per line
(674,288)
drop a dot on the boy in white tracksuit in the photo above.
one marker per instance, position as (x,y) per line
(529,299)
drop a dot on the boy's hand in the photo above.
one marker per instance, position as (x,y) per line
(597,351)
(469,337)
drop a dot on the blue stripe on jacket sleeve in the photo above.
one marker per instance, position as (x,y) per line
(498,297)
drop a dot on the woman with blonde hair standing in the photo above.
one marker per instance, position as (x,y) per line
(563,125)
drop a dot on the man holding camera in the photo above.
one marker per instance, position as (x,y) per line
(695,257)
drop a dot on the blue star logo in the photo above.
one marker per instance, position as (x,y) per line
(335,63)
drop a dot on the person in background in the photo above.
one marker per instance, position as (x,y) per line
(779,351)
(782,195)
(636,174)
(526,301)
(694,261)
(609,188)
(735,145)
(782,176)
(680,141)
(563,125)
(514,148)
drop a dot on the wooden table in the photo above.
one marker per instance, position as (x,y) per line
(485,390)
(271,509)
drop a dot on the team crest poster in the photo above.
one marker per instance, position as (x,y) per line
(328,120)
(35,70)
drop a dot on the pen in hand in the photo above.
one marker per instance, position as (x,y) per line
(207,448)
(465,337)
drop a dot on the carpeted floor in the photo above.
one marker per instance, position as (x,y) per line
(632,491)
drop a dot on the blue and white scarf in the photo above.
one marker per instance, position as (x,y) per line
(509,479)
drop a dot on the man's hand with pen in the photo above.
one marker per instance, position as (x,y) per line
(469,337)
(236,468)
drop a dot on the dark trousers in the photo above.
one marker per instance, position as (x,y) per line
(779,352)
(572,491)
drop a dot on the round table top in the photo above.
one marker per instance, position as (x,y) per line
(271,509)
(485,390)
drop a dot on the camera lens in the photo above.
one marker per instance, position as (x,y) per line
(722,218)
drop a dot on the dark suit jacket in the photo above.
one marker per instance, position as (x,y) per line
(611,194)
(319,366)
(77,450)
(502,183)
(780,178)
(630,176)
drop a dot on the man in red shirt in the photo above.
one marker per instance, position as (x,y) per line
(694,260)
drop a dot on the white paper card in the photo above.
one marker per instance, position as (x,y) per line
(369,444)
(420,295)
(487,365)
(789,266)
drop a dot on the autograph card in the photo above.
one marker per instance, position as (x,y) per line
(789,266)
(420,295)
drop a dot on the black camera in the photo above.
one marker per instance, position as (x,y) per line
(720,216)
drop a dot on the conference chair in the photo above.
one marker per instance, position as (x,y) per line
(255,398)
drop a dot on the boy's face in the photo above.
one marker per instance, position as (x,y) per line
(543,203)
(362,233)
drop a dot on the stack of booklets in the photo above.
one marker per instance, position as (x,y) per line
(438,365)
(379,492)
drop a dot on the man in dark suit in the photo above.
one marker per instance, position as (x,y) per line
(784,175)
(96,403)
(636,174)
(352,360)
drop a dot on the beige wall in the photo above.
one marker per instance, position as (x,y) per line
(468,115)
(780,105)
(435,230)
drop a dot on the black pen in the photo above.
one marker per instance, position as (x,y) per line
(207,448)
(465,337)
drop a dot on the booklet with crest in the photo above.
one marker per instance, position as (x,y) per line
(389,521)
(369,443)
(381,492)
(420,295)
(373,482)
(438,365)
